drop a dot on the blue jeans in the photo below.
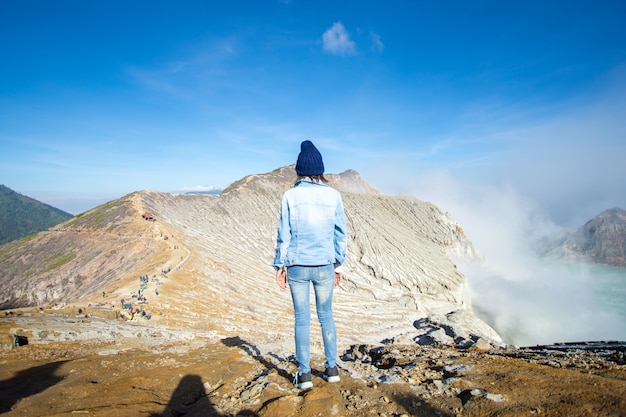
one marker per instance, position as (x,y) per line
(323,279)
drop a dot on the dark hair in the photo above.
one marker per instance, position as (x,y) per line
(314,178)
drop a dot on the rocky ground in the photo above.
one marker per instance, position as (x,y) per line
(236,377)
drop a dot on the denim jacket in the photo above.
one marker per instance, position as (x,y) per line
(312,228)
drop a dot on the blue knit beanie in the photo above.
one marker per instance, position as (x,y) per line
(310,160)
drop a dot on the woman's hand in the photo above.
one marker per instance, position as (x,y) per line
(281,278)
(338,277)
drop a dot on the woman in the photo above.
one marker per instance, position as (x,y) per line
(310,248)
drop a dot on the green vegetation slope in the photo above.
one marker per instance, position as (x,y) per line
(22,216)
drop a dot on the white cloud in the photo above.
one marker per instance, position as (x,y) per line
(336,40)
(200,188)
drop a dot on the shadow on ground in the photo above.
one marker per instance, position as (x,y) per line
(254,352)
(28,382)
(191,400)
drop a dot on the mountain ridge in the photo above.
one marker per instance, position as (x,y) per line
(219,249)
(601,240)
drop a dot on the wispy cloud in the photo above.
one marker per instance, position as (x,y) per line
(336,40)
(199,67)
(377,43)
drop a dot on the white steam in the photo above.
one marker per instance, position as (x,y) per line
(527,300)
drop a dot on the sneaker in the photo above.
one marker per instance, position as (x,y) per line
(332,374)
(303,381)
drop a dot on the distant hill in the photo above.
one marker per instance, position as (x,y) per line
(22,216)
(601,240)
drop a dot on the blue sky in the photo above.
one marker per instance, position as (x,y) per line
(444,100)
